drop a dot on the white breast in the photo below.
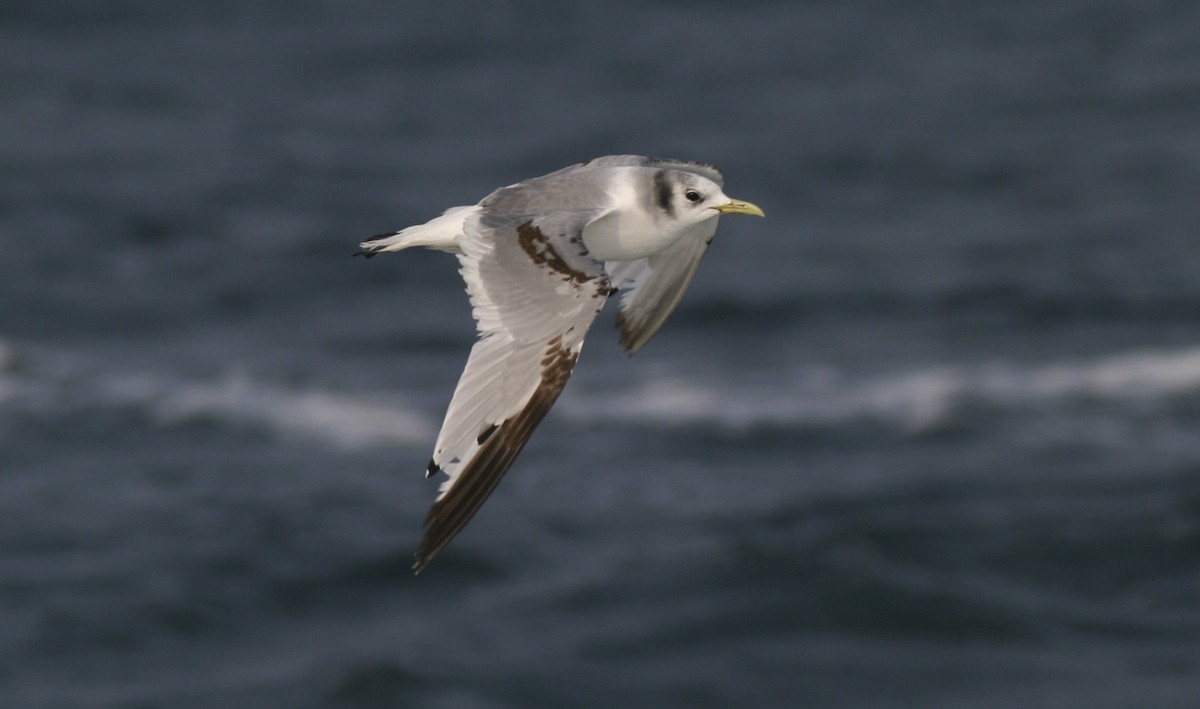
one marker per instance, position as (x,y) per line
(629,231)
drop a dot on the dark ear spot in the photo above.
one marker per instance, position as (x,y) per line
(662,192)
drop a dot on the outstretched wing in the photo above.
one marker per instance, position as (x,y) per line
(534,292)
(700,168)
(654,285)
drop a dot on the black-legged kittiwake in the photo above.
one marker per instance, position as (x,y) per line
(540,258)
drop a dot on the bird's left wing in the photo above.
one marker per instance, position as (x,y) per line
(535,292)
(653,286)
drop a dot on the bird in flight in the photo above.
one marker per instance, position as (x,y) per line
(540,258)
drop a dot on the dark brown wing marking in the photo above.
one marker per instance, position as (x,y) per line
(498,451)
(537,247)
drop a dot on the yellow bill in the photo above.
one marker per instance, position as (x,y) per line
(737,206)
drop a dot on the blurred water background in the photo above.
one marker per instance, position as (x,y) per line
(924,437)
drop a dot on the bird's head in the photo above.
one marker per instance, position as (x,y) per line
(690,198)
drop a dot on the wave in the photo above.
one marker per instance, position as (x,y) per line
(914,401)
(348,420)
(57,385)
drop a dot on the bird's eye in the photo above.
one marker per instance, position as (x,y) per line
(692,196)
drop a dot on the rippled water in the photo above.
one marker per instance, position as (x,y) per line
(925,437)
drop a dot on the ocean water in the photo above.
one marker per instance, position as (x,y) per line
(927,436)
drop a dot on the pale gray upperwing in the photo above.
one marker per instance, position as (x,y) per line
(700,168)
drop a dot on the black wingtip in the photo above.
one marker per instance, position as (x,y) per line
(370,249)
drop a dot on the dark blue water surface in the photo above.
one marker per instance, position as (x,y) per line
(927,436)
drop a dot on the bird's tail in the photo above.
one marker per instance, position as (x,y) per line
(440,233)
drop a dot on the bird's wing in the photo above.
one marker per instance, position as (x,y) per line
(534,292)
(653,285)
(709,171)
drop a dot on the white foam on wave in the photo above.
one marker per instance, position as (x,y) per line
(915,401)
(52,384)
(1136,375)
(347,420)
(48,384)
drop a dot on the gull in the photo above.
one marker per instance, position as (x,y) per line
(540,258)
